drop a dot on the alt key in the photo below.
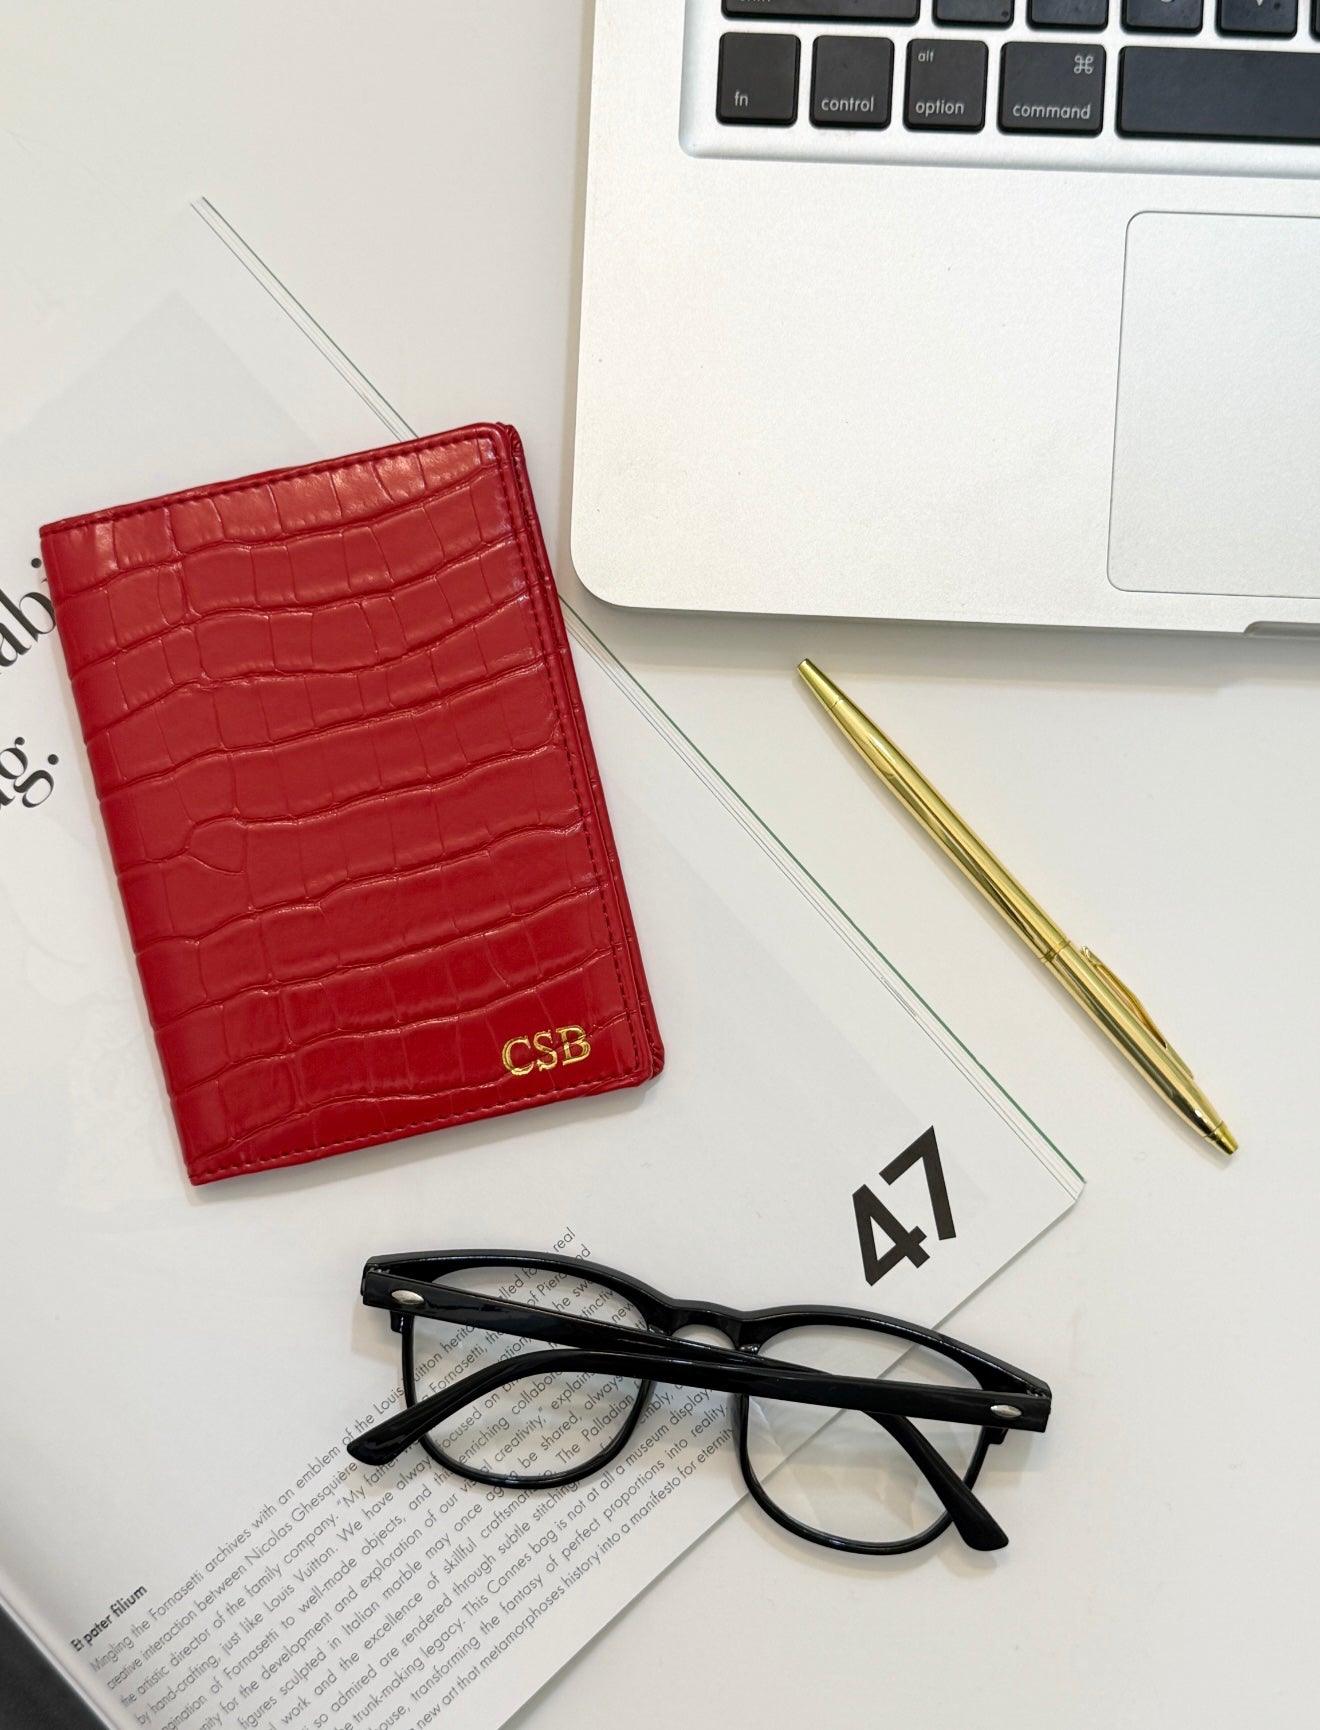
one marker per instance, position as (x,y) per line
(946,86)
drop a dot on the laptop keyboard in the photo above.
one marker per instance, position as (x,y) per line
(1216,85)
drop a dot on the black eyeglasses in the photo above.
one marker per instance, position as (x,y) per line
(828,1450)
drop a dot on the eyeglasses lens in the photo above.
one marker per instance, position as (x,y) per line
(841,1473)
(541,1426)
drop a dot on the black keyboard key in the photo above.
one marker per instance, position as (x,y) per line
(758,80)
(996,13)
(852,78)
(946,86)
(1051,87)
(1258,17)
(1162,14)
(1257,94)
(1068,14)
(833,11)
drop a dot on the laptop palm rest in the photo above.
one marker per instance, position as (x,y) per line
(1218,427)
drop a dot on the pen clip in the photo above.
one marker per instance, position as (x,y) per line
(1138,1008)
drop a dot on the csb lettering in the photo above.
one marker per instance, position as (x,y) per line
(545,1050)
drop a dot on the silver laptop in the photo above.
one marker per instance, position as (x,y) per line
(993,310)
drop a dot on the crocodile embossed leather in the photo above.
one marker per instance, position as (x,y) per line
(333,724)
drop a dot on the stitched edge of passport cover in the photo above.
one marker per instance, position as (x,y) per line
(75,569)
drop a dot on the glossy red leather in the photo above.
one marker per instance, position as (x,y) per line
(333,723)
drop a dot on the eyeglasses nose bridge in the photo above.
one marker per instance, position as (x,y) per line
(719,1318)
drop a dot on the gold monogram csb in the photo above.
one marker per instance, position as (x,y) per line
(546,1049)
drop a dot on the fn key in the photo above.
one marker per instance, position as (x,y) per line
(758,80)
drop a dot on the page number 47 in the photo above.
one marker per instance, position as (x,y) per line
(905,1241)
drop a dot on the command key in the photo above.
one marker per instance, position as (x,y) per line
(1051,87)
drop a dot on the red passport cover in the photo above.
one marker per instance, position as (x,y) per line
(334,727)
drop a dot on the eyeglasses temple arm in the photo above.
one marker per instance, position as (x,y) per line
(387,1440)
(697,1366)
(1028,1406)
(384,1289)
(972,1520)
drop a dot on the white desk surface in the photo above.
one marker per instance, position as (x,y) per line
(415,172)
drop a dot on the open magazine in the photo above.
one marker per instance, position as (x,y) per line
(179,1524)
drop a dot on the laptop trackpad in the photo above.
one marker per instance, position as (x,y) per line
(1218,435)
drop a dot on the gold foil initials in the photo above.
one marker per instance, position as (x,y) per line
(573,1044)
(546,1049)
(507,1054)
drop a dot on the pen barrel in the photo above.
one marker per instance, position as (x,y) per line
(1095,991)
(1086,979)
(948,830)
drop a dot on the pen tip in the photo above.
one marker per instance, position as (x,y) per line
(1223,1138)
(825,689)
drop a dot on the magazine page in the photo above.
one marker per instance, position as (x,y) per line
(180,1520)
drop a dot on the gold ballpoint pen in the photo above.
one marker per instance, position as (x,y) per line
(1083,975)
